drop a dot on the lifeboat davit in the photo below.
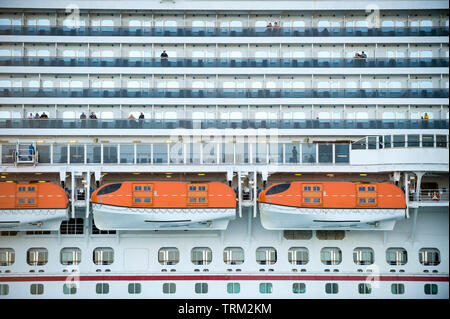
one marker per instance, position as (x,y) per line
(331,205)
(163,205)
(36,206)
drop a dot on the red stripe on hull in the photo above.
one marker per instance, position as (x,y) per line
(225,277)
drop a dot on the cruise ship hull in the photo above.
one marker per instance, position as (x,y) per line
(32,219)
(279,217)
(132,218)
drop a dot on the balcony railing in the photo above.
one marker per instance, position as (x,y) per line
(431,195)
(224,93)
(223,31)
(179,153)
(221,124)
(225,63)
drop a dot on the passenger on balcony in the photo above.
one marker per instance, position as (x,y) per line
(92,116)
(363,55)
(36,116)
(132,120)
(83,117)
(44,116)
(294,155)
(141,119)
(276,27)
(30,116)
(164,58)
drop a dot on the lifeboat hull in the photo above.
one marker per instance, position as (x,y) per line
(32,219)
(109,217)
(279,217)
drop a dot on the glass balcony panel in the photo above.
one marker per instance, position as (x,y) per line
(325,153)
(59,154)
(292,153)
(127,153)
(143,153)
(160,153)
(93,154)
(342,153)
(8,151)
(109,154)
(309,153)
(43,152)
(76,154)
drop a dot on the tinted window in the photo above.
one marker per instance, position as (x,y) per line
(109,189)
(278,189)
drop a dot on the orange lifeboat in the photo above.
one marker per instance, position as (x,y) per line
(331,205)
(36,206)
(163,205)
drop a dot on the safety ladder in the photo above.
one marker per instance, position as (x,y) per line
(25,153)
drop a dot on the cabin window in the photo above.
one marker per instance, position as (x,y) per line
(371,200)
(363,256)
(134,288)
(233,256)
(147,200)
(169,288)
(396,256)
(307,188)
(21,200)
(192,200)
(202,200)
(36,289)
(4,290)
(103,256)
(70,256)
(307,200)
(138,200)
(298,255)
(371,188)
(37,256)
(7,256)
(168,256)
(361,189)
(233,287)
(22,189)
(316,188)
(102,289)
(201,256)
(364,289)
(201,188)
(147,188)
(331,256)
(265,288)
(331,288)
(109,189)
(201,288)
(431,289)
(429,256)
(266,255)
(192,188)
(316,200)
(137,188)
(278,189)
(69,289)
(298,288)
(30,201)
(398,289)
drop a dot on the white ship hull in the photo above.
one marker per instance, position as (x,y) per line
(279,217)
(110,217)
(32,219)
